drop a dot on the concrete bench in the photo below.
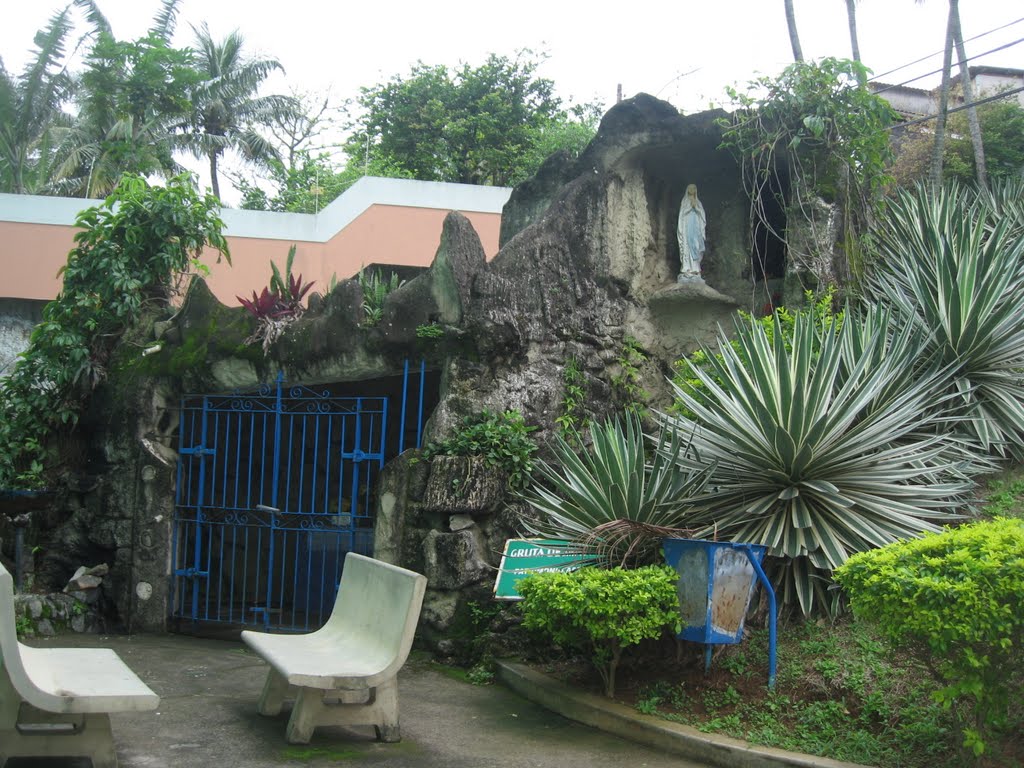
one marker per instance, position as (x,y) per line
(346,672)
(56,702)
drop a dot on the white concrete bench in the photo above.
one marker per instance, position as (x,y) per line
(345,673)
(56,702)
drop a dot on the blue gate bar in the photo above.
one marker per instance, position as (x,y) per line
(419,416)
(401,418)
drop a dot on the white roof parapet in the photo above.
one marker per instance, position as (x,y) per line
(321,227)
(40,209)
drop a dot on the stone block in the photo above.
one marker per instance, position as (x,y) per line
(439,609)
(463,484)
(460,522)
(453,560)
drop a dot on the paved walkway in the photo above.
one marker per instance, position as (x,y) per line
(207,717)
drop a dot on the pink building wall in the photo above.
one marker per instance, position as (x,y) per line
(390,221)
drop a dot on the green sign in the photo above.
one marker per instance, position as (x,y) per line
(525,556)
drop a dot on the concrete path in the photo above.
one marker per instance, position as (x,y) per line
(207,717)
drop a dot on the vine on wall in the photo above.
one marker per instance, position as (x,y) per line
(817,133)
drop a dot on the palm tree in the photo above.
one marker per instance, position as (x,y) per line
(226,109)
(954,39)
(132,102)
(968,91)
(30,107)
(851,15)
(794,38)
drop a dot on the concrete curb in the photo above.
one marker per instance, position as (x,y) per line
(612,717)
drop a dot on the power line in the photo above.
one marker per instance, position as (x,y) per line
(975,103)
(937,71)
(925,58)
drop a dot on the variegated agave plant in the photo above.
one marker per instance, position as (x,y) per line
(952,264)
(612,501)
(829,447)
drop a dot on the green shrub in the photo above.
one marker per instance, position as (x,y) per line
(626,390)
(131,254)
(430,331)
(957,597)
(501,439)
(573,417)
(602,612)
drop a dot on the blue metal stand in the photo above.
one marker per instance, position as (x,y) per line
(771,613)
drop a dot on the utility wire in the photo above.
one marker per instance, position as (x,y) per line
(937,71)
(925,58)
(975,103)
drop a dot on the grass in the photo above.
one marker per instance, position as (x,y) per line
(840,693)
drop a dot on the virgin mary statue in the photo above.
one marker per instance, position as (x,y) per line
(690,231)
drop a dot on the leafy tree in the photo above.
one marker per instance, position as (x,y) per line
(473,125)
(127,256)
(133,97)
(300,129)
(1002,126)
(227,113)
(308,185)
(816,131)
(30,106)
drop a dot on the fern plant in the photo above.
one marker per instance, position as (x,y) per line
(376,288)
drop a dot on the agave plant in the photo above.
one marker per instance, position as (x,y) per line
(1005,200)
(612,501)
(953,265)
(822,448)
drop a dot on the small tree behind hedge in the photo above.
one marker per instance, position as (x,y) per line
(602,612)
(958,598)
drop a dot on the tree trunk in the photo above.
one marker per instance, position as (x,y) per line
(935,174)
(968,91)
(794,38)
(214,184)
(851,13)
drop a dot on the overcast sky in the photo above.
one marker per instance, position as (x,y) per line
(685,51)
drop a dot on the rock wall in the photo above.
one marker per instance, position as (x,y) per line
(586,271)
(17,319)
(447,518)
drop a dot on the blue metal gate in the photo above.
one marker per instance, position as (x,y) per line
(274,487)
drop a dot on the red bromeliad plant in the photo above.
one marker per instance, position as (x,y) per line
(278,305)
